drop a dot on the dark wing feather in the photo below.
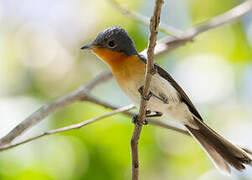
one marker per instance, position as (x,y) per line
(164,74)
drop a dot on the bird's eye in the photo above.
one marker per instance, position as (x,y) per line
(112,44)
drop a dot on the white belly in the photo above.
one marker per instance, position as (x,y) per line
(160,87)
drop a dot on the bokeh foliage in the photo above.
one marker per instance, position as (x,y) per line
(40,60)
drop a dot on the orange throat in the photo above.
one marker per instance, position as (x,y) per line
(124,68)
(110,57)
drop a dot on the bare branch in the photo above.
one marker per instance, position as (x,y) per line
(179,37)
(155,122)
(48,109)
(146,21)
(92,99)
(154,22)
(167,125)
(100,78)
(224,18)
(163,46)
(68,128)
(169,43)
(105,104)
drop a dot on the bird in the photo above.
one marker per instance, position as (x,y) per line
(116,48)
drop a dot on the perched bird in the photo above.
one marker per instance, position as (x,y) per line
(116,48)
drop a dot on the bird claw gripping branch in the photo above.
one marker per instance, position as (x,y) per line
(163,99)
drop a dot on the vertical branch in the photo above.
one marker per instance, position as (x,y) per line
(165,45)
(154,22)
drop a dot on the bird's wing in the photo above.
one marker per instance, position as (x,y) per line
(164,74)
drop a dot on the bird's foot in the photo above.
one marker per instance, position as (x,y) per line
(135,120)
(140,90)
(148,114)
(161,97)
(157,114)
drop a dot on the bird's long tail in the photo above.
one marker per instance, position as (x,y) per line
(222,152)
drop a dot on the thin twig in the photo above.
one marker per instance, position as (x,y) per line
(154,22)
(224,18)
(89,98)
(154,122)
(163,46)
(100,102)
(146,21)
(169,43)
(179,37)
(94,100)
(48,109)
(167,125)
(68,128)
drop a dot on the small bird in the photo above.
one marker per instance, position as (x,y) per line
(116,48)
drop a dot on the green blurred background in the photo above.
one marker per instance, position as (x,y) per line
(40,60)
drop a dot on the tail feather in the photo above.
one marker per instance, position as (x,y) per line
(216,158)
(222,152)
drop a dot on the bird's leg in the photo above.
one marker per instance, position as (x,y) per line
(148,115)
(161,98)
(136,120)
(157,114)
(140,90)
(147,112)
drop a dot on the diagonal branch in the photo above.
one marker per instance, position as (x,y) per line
(154,22)
(48,109)
(169,43)
(224,18)
(146,21)
(163,46)
(94,100)
(68,128)
(179,37)
(155,122)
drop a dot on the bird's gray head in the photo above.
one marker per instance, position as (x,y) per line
(114,38)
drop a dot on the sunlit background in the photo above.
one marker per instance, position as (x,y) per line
(40,60)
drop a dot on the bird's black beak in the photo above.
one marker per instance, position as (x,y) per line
(88,46)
